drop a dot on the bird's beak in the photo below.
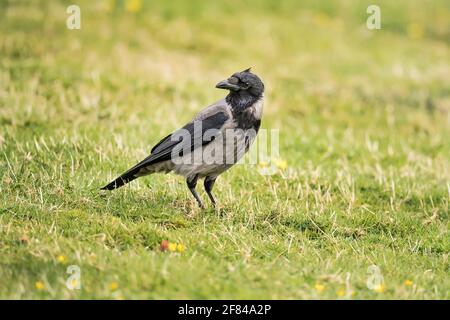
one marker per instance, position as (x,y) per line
(225,84)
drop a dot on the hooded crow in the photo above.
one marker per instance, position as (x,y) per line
(212,142)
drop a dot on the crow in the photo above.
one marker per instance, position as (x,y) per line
(212,142)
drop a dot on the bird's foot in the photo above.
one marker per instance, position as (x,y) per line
(200,204)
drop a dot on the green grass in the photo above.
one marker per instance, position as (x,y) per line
(364,119)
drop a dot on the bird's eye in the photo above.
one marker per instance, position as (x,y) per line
(233,80)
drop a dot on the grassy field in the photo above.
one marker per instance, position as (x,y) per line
(364,120)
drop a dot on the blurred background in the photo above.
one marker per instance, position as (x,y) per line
(315,56)
(132,60)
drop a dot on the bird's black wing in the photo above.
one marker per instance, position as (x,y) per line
(162,151)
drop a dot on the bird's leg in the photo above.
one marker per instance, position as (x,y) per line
(191,185)
(209,183)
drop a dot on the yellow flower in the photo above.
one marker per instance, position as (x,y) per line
(133,5)
(113,286)
(109,5)
(281,164)
(379,288)
(408,283)
(180,248)
(39,285)
(172,247)
(415,31)
(120,297)
(321,19)
(74,283)
(263,164)
(61,259)
(341,292)
(319,287)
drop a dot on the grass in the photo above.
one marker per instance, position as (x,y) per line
(364,119)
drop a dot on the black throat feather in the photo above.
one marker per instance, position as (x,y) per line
(240,101)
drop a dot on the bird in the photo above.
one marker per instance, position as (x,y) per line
(215,140)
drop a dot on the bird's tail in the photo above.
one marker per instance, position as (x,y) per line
(131,174)
(120,181)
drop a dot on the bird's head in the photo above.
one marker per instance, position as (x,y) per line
(243,81)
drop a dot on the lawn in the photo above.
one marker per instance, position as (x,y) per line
(360,211)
